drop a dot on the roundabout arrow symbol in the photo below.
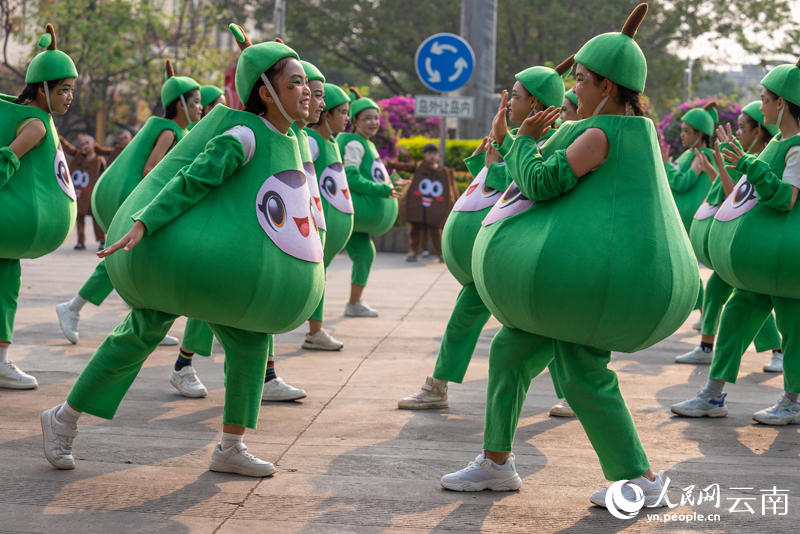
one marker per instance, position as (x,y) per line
(433,75)
(460,65)
(439,49)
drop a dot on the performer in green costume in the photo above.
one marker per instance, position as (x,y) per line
(536,88)
(180,97)
(337,204)
(373,192)
(37,197)
(717,290)
(569,109)
(232,198)
(559,262)
(753,244)
(210,97)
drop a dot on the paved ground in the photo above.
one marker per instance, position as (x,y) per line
(348,460)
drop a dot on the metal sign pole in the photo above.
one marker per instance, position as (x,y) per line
(443,137)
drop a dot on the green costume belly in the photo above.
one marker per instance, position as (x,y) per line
(374,215)
(690,200)
(245,254)
(754,246)
(702,221)
(122,176)
(606,264)
(37,204)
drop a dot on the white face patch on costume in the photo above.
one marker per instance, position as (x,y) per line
(742,200)
(62,174)
(313,190)
(333,184)
(283,208)
(511,203)
(705,211)
(429,190)
(379,172)
(478,196)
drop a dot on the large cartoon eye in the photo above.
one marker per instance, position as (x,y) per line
(743,193)
(425,187)
(488,192)
(436,188)
(511,196)
(329,185)
(377,174)
(274,210)
(63,174)
(80,178)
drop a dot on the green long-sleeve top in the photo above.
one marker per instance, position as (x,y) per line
(497,175)
(681,180)
(537,178)
(220,159)
(9,165)
(770,189)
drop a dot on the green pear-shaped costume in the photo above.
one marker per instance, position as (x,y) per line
(577,267)
(37,197)
(230,239)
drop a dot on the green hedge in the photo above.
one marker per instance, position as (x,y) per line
(457,149)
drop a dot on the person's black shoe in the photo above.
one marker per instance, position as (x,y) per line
(102,245)
(80,246)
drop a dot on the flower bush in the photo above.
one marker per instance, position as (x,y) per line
(669,128)
(457,150)
(398,121)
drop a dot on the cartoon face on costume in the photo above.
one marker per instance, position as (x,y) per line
(705,211)
(80,179)
(379,172)
(511,203)
(313,190)
(429,190)
(283,208)
(62,174)
(478,196)
(742,200)
(333,185)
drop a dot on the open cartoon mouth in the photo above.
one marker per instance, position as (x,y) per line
(427,201)
(318,202)
(302,225)
(346,193)
(472,188)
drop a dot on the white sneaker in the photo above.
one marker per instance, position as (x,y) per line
(238,460)
(169,341)
(322,340)
(57,439)
(278,390)
(359,309)
(697,355)
(68,319)
(785,412)
(484,474)
(12,377)
(698,324)
(651,490)
(430,396)
(187,383)
(702,405)
(562,409)
(776,365)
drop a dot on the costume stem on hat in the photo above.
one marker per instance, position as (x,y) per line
(566,66)
(169,72)
(634,20)
(52,46)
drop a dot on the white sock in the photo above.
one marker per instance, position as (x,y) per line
(714,387)
(68,415)
(441,383)
(3,353)
(791,396)
(77,303)
(229,440)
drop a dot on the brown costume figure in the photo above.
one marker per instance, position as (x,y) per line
(122,139)
(86,167)
(426,201)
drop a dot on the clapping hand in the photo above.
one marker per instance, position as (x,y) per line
(499,124)
(538,125)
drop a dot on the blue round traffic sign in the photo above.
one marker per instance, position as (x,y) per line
(444,62)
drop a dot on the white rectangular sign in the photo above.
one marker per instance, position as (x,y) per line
(461,107)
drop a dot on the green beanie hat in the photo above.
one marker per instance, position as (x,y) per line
(359,103)
(334,96)
(784,81)
(255,60)
(52,64)
(572,97)
(702,119)
(616,56)
(175,86)
(753,110)
(546,84)
(209,93)
(312,72)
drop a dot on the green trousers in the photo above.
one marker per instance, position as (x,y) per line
(590,388)
(361,250)
(461,335)
(10,282)
(327,260)
(716,295)
(98,286)
(747,315)
(199,339)
(109,374)
(699,302)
